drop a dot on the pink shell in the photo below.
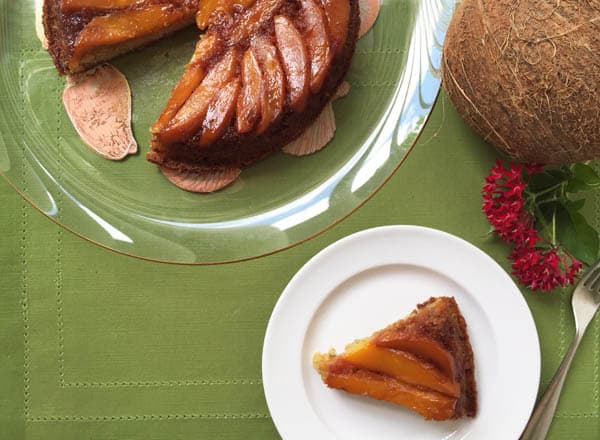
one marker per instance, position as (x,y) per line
(320,133)
(98,103)
(342,90)
(316,136)
(369,10)
(206,182)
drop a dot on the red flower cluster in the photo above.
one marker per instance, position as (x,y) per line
(535,264)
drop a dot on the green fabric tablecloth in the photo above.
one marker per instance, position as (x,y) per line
(96,345)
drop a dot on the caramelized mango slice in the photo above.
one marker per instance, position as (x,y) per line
(76,5)
(273,89)
(429,404)
(253,19)
(192,77)
(205,10)
(317,43)
(424,348)
(249,101)
(219,113)
(110,30)
(400,365)
(190,117)
(338,16)
(295,61)
(207,7)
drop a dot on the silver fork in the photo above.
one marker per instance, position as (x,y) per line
(585,302)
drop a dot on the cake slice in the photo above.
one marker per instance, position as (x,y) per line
(260,75)
(83,33)
(423,362)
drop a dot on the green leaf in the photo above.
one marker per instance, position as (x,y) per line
(576,186)
(560,173)
(586,174)
(588,241)
(565,229)
(584,178)
(574,206)
(542,181)
(543,216)
(576,235)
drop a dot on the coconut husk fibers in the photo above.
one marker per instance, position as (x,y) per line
(526,76)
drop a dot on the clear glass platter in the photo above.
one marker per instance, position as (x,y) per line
(131,208)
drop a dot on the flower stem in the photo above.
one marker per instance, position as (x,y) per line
(554,227)
(554,199)
(545,225)
(547,190)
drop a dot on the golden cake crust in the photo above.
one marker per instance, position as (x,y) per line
(63,29)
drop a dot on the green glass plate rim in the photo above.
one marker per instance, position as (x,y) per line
(238,260)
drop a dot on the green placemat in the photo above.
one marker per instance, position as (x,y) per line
(95,345)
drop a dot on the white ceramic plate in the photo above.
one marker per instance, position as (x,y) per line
(370,279)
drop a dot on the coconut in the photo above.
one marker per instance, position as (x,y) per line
(525,74)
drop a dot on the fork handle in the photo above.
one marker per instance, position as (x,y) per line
(539,424)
